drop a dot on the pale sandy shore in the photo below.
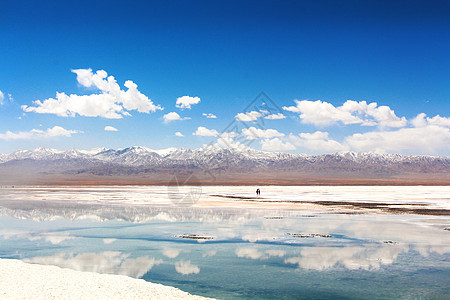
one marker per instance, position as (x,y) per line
(19,280)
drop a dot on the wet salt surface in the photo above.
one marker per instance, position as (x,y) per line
(224,247)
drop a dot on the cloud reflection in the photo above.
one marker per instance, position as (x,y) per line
(250,252)
(53,238)
(171,252)
(109,262)
(186,268)
(365,257)
(209,253)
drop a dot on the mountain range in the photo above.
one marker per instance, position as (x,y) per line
(213,165)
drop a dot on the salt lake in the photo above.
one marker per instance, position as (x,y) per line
(225,242)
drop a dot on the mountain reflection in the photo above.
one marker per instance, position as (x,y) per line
(308,240)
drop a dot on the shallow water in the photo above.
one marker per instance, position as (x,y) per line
(238,247)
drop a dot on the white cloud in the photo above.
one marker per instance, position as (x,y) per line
(276,145)
(439,121)
(187,101)
(248,116)
(278,116)
(425,137)
(109,262)
(112,102)
(185,267)
(178,134)
(421,121)
(203,131)
(210,116)
(253,133)
(110,128)
(428,139)
(229,134)
(317,141)
(38,133)
(2,98)
(321,113)
(351,112)
(173,116)
(254,115)
(226,141)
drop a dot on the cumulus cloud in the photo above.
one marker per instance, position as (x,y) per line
(421,121)
(278,116)
(203,131)
(424,138)
(439,121)
(186,268)
(187,101)
(351,112)
(317,141)
(226,141)
(428,139)
(253,133)
(276,145)
(248,116)
(110,128)
(109,262)
(179,134)
(173,116)
(112,102)
(38,133)
(210,116)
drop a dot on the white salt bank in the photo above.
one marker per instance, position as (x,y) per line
(19,280)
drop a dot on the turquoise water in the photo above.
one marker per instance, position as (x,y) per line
(251,253)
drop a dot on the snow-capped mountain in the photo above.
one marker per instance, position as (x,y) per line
(141,160)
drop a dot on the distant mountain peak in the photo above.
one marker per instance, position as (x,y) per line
(135,159)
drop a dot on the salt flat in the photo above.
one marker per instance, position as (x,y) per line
(225,242)
(19,280)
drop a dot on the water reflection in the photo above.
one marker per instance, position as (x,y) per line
(251,249)
(366,257)
(185,267)
(53,238)
(108,262)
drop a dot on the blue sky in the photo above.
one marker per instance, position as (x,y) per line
(225,53)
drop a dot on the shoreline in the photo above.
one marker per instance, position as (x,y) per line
(20,280)
(336,183)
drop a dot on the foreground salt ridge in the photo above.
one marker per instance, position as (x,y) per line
(19,280)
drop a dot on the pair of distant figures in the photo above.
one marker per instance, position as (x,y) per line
(258,192)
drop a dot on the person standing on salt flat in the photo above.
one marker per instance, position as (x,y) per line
(258,192)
